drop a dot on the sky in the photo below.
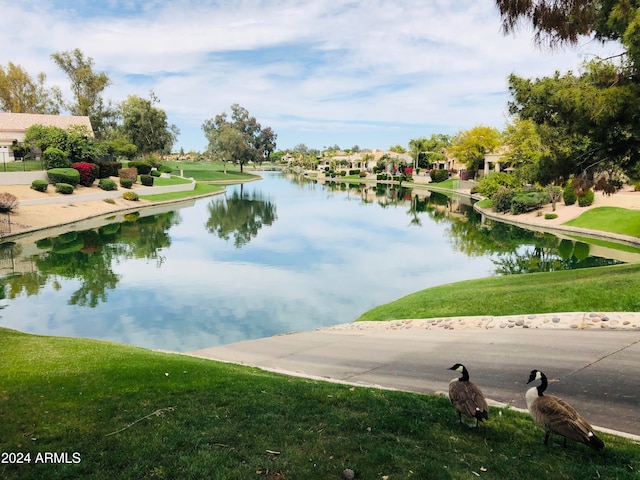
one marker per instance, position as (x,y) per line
(371,73)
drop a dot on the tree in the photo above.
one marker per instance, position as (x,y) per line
(266,143)
(525,148)
(146,126)
(587,119)
(87,87)
(19,93)
(397,149)
(592,116)
(470,146)
(430,150)
(75,141)
(239,139)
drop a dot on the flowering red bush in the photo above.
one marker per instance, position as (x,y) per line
(88,172)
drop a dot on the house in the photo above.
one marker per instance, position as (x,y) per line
(13,127)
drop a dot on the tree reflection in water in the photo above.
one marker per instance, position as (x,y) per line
(89,256)
(240,215)
(514,250)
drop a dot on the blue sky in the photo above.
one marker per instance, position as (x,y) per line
(320,72)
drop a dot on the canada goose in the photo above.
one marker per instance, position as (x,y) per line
(555,415)
(466,397)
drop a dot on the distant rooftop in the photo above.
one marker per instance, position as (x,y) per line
(19,122)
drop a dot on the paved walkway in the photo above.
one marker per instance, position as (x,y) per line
(592,359)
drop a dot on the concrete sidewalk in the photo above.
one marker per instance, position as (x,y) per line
(594,370)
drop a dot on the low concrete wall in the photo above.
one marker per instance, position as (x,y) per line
(21,178)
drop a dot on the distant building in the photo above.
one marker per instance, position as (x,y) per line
(13,127)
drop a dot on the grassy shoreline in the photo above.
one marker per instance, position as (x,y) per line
(131,413)
(588,289)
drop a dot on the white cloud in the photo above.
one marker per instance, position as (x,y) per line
(372,73)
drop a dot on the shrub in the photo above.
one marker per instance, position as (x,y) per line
(501,200)
(64,175)
(131,173)
(438,176)
(40,185)
(107,184)
(165,169)
(526,202)
(55,158)
(64,188)
(155,173)
(109,200)
(125,182)
(362,174)
(130,196)
(587,199)
(636,187)
(146,180)
(108,169)
(8,202)
(354,172)
(143,167)
(489,184)
(343,173)
(550,216)
(88,172)
(568,195)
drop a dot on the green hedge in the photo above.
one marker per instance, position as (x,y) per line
(55,158)
(526,202)
(587,199)
(40,185)
(107,184)
(64,188)
(146,180)
(64,175)
(143,167)
(568,195)
(501,200)
(126,182)
(438,176)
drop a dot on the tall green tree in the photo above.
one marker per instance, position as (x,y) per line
(239,139)
(429,150)
(19,93)
(592,117)
(525,148)
(87,87)
(266,143)
(588,119)
(470,146)
(146,125)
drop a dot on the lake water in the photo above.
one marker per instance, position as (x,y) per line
(273,256)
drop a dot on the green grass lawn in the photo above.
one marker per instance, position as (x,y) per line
(200,189)
(210,171)
(28,166)
(609,219)
(130,413)
(450,184)
(590,289)
(173,180)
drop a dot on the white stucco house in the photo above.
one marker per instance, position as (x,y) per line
(14,125)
